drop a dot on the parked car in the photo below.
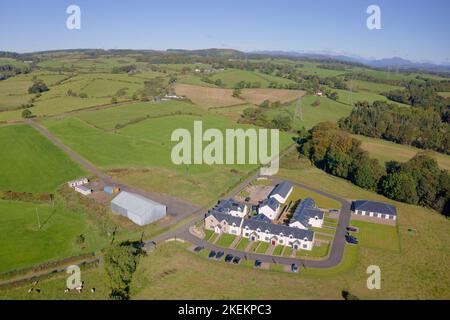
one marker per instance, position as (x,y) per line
(333,211)
(212,254)
(351,239)
(228,258)
(247,199)
(352,229)
(198,249)
(219,255)
(236,260)
(258,263)
(294,268)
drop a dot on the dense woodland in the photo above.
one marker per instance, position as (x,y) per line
(418,181)
(416,126)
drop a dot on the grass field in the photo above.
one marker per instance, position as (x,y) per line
(359,85)
(306,115)
(30,163)
(257,96)
(140,154)
(379,236)
(386,151)
(231,77)
(23,244)
(320,200)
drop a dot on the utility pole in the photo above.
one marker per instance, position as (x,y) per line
(351,91)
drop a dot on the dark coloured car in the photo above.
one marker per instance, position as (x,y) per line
(236,260)
(198,249)
(212,254)
(351,239)
(228,258)
(258,263)
(247,199)
(352,229)
(294,268)
(333,211)
(219,255)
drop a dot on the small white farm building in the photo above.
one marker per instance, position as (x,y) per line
(85,191)
(78,182)
(140,210)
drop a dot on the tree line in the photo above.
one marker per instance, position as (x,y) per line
(418,127)
(419,181)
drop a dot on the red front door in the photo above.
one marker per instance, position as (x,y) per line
(274,242)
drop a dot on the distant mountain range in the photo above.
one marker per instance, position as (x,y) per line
(387,63)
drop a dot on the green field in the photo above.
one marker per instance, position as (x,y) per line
(386,151)
(320,200)
(142,152)
(231,77)
(30,163)
(306,115)
(23,244)
(374,235)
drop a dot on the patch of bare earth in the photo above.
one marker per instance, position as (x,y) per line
(257,96)
(207,97)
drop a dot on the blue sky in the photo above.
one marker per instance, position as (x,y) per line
(415,30)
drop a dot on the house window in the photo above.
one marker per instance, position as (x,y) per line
(280,242)
(246,234)
(305,246)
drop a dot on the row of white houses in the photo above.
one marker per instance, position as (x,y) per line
(254,230)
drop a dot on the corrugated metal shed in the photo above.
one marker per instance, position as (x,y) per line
(137,208)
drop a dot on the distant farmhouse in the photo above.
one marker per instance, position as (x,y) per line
(282,191)
(231,207)
(306,215)
(140,210)
(374,209)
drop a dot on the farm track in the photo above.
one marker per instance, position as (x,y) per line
(178,209)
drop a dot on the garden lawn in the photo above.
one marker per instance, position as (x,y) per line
(225,240)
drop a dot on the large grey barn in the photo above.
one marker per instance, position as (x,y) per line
(137,208)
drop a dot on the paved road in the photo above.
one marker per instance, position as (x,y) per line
(181,209)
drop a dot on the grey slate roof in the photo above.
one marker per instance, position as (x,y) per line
(227,217)
(276,229)
(261,218)
(282,189)
(228,205)
(135,203)
(372,206)
(304,211)
(271,202)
